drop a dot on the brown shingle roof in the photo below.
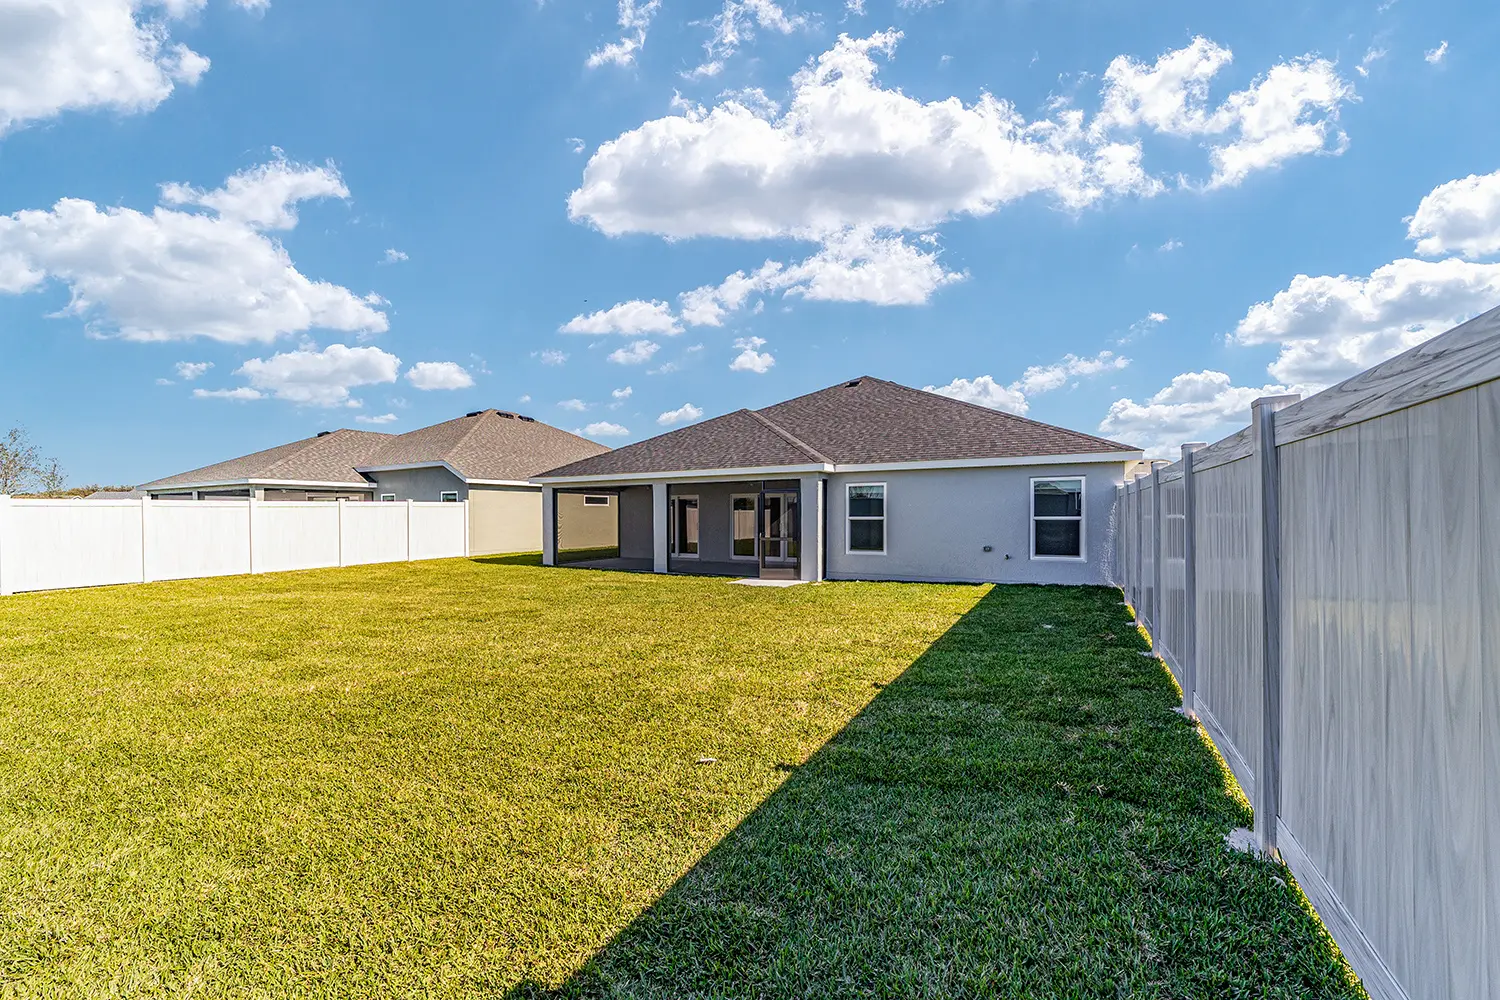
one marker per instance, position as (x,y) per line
(327,458)
(862,421)
(492,444)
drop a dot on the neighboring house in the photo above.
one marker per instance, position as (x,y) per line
(863,480)
(116,495)
(486,458)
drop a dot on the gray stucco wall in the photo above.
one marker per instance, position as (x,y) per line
(636,535)
(587,526)
(938,522)
(419,484)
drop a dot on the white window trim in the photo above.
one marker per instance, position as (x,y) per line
(1082,519)
(445,494)
(594,500)
(884,519)
(755,537)
(387,498)
(672,539)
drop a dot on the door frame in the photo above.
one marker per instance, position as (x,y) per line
(791,569)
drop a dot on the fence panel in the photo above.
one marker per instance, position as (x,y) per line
(1230,674)
(1173,598)
(438,530)
(295,535)
(1146,608)
(193,538)
(58,543)
(374,533)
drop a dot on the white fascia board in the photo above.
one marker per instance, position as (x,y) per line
(273,483)
(1089,458)
(693,475)
(500,482)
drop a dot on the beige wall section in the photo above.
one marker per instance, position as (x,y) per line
(504,519)
(587,526)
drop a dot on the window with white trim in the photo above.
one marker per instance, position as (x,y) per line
(448,496)
(866,518)
(387,498)
(1057,518)
(595,501)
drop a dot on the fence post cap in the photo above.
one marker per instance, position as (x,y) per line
(1276,402)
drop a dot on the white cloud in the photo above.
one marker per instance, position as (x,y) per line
(684,414)
(736,24)
(76,55)
(1435,56)
(634,19)
(984,391)
(630,318)
(1014,398)
(384,418)
(394,256)
(916,4)
(1287,112)
(854,266)
(1372,56)
(554,358)
(578,144)
(845,153)
(1329,328)
(1461,216)
(855,7)
(1197,406)
(624,393)
(1170,245)
(524,399)
(575,405)
(636,353)
(848,153)
(603,428)
(189,370)
(172,275)
(749,359)
(320,378)
(264,197)
(242,394)
(439,375)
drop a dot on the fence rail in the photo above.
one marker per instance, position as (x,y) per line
(55,544)
(1325,586)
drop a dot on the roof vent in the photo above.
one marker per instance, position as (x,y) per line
(506,415)
(851,385)
(324,434)
(476,413)
(529,420)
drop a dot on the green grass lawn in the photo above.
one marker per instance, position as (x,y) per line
(486,778)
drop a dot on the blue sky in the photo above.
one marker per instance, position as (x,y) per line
(225,224)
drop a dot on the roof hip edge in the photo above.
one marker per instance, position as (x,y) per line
(810,451)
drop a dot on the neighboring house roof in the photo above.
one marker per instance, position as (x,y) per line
(488,445)
(115,495)
(485,445)
(864,421)
(330,457)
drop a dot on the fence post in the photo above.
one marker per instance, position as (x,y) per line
(409,508)
(250,508)
(466,527)
(1140,565)
(341,503)
(145,517)
(1268,780)
(1188,656)
(6,556)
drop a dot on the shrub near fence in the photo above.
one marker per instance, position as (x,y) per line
(53,544)
(1333,614)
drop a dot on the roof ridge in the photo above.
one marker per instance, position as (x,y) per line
(790,437)
(478,419)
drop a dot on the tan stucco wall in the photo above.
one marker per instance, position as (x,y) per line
(504,519)
(580,526)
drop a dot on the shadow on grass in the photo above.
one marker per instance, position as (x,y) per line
(1018,814)
(510,559)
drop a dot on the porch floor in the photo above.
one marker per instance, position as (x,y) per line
(681,567)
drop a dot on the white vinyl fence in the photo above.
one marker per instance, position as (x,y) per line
(53,544)
(1330,604)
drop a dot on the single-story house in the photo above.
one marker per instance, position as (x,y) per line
(866,479)
(486,457)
